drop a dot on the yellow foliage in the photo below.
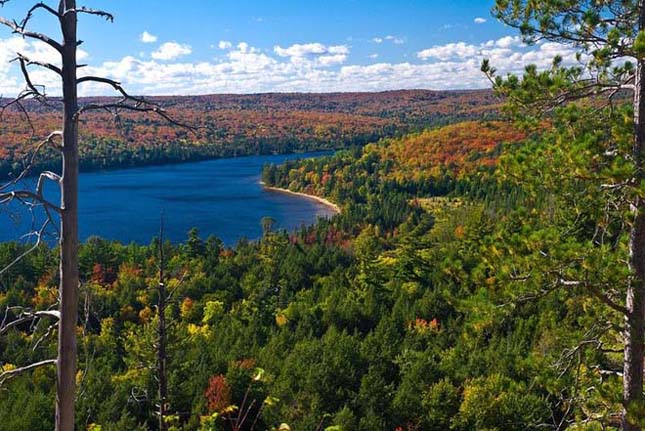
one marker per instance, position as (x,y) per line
(198,330)
(145,315)
(129,376)
(281,319)
(186,307)
(44,296)
(143,298)
(8,367)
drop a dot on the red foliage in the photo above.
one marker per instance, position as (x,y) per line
(103,276)
(456,148)
(218,394)
(253,119)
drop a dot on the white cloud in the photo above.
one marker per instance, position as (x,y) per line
(373,56)
(448,51)
(224,44)
(394,39)
(11,80)
(509,41)
(499,48)
(147,37)
(171,51)
(312,54)
(299,50)
(311,67)
(390,38)
(480,20)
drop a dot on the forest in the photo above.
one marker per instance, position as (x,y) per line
(403,312)
(486,270)
(237,125)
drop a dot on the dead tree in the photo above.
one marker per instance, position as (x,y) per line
(66,142)
(162,356)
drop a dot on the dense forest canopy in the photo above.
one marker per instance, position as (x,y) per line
(234,125)
(396,314)
(487,274)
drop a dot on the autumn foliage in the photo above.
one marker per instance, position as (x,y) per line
(218,394)
(231,125)
(459,148)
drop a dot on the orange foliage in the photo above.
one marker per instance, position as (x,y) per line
(254,119)
(456,148)
(423,326)
(218,394)
(245,364)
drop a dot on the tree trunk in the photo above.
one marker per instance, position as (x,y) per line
(162,358)
(635,320)
(69,279)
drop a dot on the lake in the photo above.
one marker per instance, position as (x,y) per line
(221,197)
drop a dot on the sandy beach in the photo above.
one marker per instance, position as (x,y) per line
(323,201)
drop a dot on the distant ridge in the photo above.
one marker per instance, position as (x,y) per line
(242,124)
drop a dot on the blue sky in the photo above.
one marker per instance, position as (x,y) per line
(246,46)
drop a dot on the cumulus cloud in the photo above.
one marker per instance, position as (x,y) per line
(509,41)
(507,54)
(171,51)
(479,20)
(11,81)
(314,53)
(448,51)
(309,67)
(224,44)
(147,37)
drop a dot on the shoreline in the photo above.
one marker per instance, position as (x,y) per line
(174,162)
(323,201)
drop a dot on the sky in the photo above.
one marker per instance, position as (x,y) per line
(189,47)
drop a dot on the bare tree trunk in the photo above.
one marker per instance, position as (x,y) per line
(635,303)
(69,279)
(162,358)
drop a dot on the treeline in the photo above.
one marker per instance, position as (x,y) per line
(227,126)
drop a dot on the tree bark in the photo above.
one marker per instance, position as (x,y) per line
(162,357)
(69,278)
(635,302)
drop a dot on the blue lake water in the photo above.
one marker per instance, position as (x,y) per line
(219,197)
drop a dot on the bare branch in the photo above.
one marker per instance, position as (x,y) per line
(39,237)
(31,88)
(143,107)
(127,102)
(114,84)
(48,141)
(26,196)
(608,301)
(34,8)
(25,317)
(30,62)
(18,29)
(108,16)
(10,374)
